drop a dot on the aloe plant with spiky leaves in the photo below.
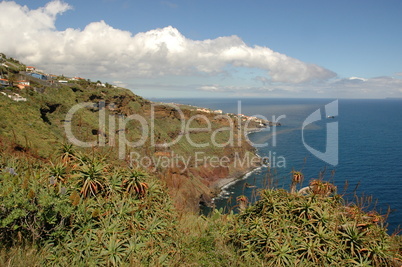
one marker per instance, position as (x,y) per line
(67,152)
(114,183)
(354,239)
(58,172)
(243,201)
(319,187)
(297,178)
(91,175)
(291,229)
(133,184)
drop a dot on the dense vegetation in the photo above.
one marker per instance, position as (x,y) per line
(284,229)
(62,205)
(77,209)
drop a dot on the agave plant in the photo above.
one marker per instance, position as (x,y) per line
(133,185)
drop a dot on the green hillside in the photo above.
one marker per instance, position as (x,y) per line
(37,125)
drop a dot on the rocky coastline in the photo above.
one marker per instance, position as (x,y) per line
(219,185)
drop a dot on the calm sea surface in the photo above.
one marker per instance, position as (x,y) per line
(370,148)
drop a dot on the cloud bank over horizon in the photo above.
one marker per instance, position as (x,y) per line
(104,52)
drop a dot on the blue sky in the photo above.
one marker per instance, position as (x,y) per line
(218,48)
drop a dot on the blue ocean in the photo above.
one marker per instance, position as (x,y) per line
(369,149)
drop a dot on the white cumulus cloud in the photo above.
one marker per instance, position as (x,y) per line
(357,79)
(102,50)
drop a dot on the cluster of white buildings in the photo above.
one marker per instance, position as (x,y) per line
(261,122)
(15,97)
(206,110)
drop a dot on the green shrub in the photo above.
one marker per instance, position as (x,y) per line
(46,207)
(284,229)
